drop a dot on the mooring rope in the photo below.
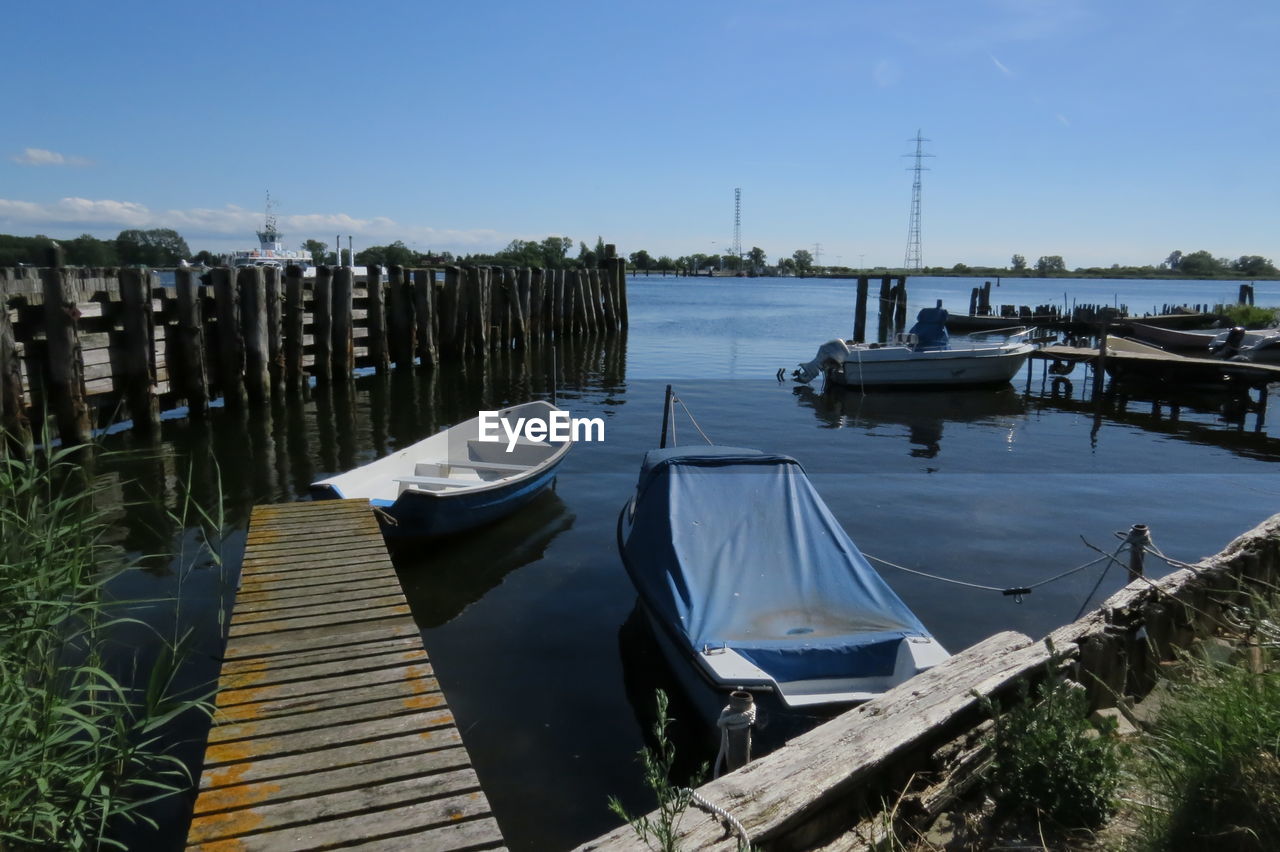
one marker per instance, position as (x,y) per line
(728,820)
(1015,592)
(732,721)
(692,420)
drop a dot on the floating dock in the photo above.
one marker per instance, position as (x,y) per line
(331,730)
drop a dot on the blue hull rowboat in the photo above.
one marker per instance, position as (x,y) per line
(749,582)
(454,481)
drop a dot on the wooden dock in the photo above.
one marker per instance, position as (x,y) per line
(331,730)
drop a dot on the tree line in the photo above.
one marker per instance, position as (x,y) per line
(166,247)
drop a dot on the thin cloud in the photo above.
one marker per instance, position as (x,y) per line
(1004,69)
(44,157)
(1062,119)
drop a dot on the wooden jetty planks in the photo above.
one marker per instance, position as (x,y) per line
(331,728)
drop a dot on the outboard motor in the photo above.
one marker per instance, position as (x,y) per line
(1231,346)
(931,328)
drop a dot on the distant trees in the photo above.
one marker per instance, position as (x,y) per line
(1199,264)
(1050,263)
(396,254)
(757,258)
(803,259)
(1202,264)
(1018,263)
(1254,265)
(319,251)
(153,247)
(641,259)
(1174,260)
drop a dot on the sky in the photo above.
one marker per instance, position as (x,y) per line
(1101,131)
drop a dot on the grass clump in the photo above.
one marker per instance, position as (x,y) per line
(81,749)
(661,831)
(1048,761)
(1249,316)
(1211,761)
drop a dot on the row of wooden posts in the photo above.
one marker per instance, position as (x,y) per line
(119,343)
(893,306)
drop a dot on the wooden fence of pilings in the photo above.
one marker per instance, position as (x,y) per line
(90,347)
(909,756)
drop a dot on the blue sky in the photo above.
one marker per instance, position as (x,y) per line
(1102,131)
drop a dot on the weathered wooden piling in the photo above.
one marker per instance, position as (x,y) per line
(860,311)
(343,329)
(477,315)
(64,377)
(137,360)
(275,342)
(191,378)
(399,316)
(424,297)
(376,319)
(900,305)
(231,351)
(516,309)
(253,318)
(295,378)
(322,325)
(450,304)
(886,307)
(16,439)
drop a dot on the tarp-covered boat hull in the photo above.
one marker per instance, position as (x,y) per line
(750,582)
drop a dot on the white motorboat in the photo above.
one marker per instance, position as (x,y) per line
(923,357)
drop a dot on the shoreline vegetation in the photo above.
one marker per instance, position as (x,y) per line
(92,697)
(161,247)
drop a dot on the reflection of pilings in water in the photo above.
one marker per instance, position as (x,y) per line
(379,397)
(297,436)
(147,488)
(280,456)
(262,448)
(344,418)
(326,435)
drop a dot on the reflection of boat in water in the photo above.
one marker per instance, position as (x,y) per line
(923,413)
(442,581)
(924,357)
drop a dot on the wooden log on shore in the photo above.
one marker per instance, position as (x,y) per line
(273,276)
(226,301)
(294,322)
(322,325)
(16,439)
(253,322)
(191,377)
(399,317)
(424,293)
(137,362)
(64,388)
(376,321)
(343,329)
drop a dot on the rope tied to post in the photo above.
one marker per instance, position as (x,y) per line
(733,720)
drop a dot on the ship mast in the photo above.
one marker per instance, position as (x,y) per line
(269,237)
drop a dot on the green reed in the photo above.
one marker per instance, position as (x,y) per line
(83,746)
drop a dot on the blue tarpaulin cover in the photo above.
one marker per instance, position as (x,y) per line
(735,547)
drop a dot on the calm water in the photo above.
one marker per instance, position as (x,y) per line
(528,623)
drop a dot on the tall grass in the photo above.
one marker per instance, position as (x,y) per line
(81,745)
(1212,759)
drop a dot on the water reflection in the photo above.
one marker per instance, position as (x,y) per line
(923,413)
(445,578)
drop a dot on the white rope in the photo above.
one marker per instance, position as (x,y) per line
(731,721)
(728,820)
(693,420)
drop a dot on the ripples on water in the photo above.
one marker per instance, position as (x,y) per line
(528,622)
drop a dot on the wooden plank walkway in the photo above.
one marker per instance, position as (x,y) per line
(331,730)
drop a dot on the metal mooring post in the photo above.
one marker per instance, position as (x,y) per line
(741,711)
(1139,538)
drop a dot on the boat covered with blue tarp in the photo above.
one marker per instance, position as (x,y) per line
(746,574)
